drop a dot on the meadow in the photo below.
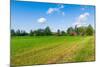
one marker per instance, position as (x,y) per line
(33,50)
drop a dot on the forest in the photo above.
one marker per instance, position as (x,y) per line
(71,31)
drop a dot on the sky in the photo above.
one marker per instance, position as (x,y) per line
(34,15)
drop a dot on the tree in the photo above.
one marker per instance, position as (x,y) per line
(76,30)
(18,32)
(82,30)
(35,32)
(89,30)
(47,31)
(63,33)
(39,32)
(23,33)
(58,32)
(31,33)
(70,30)
(13,32)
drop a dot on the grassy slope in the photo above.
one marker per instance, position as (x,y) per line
(51,49)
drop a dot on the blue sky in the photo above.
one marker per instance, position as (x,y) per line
(35,15)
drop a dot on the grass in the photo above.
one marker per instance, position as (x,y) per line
(51,49)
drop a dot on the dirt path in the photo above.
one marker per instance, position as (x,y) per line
(69,53)
(59,53)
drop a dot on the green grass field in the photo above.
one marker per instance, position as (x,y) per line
(34,50)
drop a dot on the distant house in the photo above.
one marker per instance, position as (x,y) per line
(73,33)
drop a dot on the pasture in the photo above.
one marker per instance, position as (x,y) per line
(32,50)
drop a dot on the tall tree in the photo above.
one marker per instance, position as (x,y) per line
(13,32)
(39,32)
(58,32)
(47,31)
(31,33)
(70,30)
(76,30)
(18,33)
(82,30)
(23,33)
(63,33)
(89,30)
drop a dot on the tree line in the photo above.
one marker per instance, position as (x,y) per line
(71,31)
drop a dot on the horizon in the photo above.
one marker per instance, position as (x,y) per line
(50,29)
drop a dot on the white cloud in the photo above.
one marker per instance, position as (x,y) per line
(51,10)
(42,20)
(57,9)
(81,19)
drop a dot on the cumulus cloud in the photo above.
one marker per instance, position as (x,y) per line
(51,10)
(57,9)
(42,20)
(81,19)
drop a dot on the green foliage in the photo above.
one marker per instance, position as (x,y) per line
(82,30)
(18,32)
(89,30)
(69,30)
(13,32)
(39,32)
(58,32)
(47,31)
(63,33)
(23,33)
(31,33)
